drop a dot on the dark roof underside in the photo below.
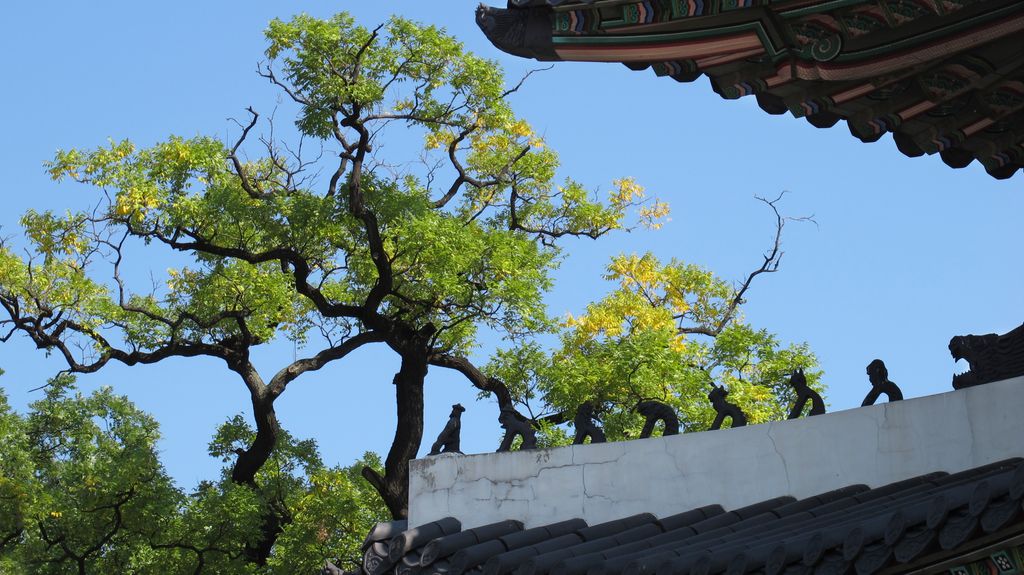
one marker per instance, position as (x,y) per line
(913,524)
(943,76)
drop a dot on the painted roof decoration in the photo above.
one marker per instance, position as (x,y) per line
(965,522)
(942,76)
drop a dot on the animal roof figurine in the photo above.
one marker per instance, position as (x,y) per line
(448,439)
(515,424)
(725,409)
(656,411)
(992,357)
(878,375)
(585,426)
(804,393)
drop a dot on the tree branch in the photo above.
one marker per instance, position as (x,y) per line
(475,376)
(239,169)
(283,377)
(770,264)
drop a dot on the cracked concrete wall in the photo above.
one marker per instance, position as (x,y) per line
(873,445)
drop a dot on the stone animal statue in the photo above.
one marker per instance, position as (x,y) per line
(514,425)
(724,408)
(585,426)
(656,411)
(448,440)
(878,375)
(804,393)
(991,357)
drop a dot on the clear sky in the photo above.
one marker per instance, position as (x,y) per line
(907,252)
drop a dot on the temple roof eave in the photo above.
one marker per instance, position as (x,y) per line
(947,81)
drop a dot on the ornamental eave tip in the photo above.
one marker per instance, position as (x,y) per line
(523,32)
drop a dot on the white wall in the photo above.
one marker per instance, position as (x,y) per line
(874,445)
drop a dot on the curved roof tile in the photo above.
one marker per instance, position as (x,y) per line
(855,528)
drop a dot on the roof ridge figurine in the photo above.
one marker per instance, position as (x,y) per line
(656,411)
(448,439)
(515,424)
(725,408)
(991,357)
(803,393)
(878,375)
(585,426)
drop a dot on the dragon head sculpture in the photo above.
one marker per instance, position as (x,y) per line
(990,357)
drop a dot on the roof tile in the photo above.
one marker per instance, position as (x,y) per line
(855,528)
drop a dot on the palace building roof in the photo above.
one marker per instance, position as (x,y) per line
(965,522)
(942,76)
(931,484)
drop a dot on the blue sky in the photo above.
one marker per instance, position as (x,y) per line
(907,252)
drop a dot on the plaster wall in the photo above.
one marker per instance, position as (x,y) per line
(873,445)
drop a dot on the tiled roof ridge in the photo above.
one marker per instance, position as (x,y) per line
(855,528)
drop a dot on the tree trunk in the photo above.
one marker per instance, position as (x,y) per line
(275,514)
(251,460)
(393,486)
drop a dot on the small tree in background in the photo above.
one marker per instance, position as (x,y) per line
(668,331)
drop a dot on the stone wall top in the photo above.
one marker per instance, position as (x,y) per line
(873,445)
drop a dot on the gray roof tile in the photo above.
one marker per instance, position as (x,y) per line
(853,529)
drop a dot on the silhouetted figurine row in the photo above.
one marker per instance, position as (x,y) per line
(991,357)
(586,419)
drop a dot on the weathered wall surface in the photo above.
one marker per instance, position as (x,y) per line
(733,467)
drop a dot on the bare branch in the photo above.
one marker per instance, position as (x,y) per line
(233,156)
(770,264)
(522,80)
(267,72)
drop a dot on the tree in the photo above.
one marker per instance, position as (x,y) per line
(418,252)
(89,489)
(83,492)
(666,332)
(218,308)
(370,255)
(16,481)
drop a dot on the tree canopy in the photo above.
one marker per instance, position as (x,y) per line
(333,240)
(83,491)
(667,332)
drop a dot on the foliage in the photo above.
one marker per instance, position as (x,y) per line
(331,517)
(17,484)
(95,491)
(666,332)
(82,490)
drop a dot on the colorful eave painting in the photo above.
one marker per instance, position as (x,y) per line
(943,76)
